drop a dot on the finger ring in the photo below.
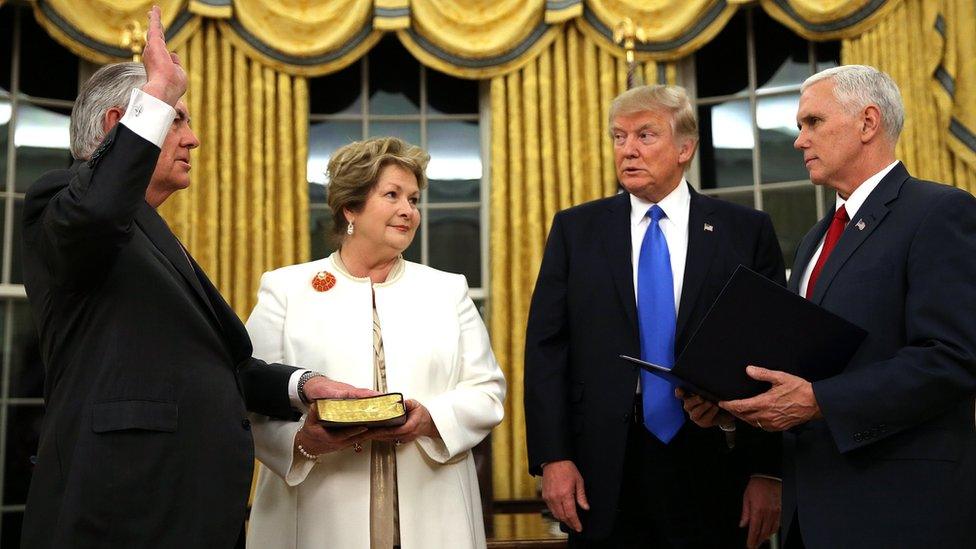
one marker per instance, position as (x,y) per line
(397,442)
(759,425)
(357,447)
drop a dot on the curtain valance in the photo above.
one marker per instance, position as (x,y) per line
(465,38)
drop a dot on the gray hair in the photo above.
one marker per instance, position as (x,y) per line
(857,86)
(109,87)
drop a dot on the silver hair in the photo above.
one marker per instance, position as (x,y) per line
(109,87)
(857,86)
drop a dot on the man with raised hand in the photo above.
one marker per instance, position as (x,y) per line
(149,374)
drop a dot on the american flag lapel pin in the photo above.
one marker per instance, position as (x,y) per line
(708,227)
(860,225)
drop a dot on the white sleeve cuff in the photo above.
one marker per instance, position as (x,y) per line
(148,117)
(296,401)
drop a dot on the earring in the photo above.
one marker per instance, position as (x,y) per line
(349,229)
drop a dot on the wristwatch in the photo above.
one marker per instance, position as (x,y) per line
(301,384)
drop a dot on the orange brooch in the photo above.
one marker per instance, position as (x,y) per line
(323,281)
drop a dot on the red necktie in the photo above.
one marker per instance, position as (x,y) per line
(833,235)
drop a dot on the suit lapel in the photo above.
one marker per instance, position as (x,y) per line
(804,252)
(165,241)
(701,248)
(617,245)
(865,221)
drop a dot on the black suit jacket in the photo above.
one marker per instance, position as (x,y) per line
(145,441)
(893,462)
(579,397)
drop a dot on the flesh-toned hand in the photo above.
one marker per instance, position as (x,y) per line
(166,79)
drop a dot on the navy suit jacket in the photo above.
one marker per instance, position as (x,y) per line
(145,441)
(893,461)
(579,397)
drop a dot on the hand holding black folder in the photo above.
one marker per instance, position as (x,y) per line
(754,321)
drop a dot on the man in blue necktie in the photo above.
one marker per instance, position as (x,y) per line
(634,274)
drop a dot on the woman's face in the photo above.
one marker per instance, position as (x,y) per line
(389,219)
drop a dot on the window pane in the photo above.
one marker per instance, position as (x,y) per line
(41,139)
(455,242)
(316,193)
(721,66)
(6,44)
(16,264)
(743,198)
(776,117)
(781,56)
(26,368)
(412,253)
(455,168)
(12,523)
(829,200)
(725,150)
(5,112)
(320,221)
(394,79)
(59,77)
(793,211)
(449,95)
(337,93)
(828,54)
(323,139)
(23,432)
(408,131)
(482,309)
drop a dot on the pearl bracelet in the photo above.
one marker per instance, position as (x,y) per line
(305,454)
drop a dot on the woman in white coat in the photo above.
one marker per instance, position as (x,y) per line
(367,317)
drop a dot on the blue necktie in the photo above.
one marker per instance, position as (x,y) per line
(663,414)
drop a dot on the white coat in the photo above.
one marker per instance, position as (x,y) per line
(437,351)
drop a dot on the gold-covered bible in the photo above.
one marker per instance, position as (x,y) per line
(385,410)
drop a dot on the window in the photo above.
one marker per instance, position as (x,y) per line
(35,105)
(746,84)
(390,93)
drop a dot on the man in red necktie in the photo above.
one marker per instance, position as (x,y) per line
(884,453)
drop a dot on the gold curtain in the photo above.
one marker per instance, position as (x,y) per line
(246,210)
(928,48)
(829,19)
(549,151)
(95,29)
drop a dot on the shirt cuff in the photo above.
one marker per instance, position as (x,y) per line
(148,117)
(296,401)
(770,477)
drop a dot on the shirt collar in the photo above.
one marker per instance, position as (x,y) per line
(861,193)
(675,205)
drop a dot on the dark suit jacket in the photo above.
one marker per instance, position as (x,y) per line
(145,441)
(579,397)
(893,462)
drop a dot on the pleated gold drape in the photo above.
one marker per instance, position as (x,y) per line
(246,210)
(909,46)
(550,149)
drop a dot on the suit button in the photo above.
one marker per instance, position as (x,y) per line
(246,424)
(627,417)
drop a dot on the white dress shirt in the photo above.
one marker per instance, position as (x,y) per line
(852,204)
(674,225)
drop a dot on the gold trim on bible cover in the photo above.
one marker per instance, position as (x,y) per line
(377,411)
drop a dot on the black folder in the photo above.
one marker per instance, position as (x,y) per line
(756,321)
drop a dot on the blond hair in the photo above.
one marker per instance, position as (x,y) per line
(355,168)
(672,99)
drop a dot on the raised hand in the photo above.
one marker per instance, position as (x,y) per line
(166,79)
